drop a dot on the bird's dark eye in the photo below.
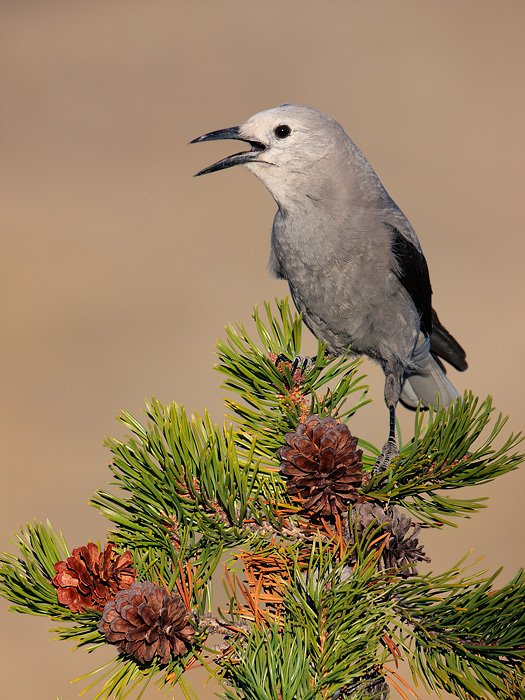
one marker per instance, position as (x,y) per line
(282,131)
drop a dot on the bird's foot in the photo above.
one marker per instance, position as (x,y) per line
(303,364)
(388,453)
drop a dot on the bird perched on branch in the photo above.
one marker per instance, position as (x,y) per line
(352,260)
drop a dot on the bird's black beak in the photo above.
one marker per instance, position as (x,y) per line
(237,158)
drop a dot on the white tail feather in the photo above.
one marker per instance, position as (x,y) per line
(424,385)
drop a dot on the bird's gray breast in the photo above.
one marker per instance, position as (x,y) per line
(339,270)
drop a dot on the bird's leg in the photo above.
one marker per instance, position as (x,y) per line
(392,393)
(389,450)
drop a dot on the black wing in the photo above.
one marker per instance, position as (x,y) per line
(412,272)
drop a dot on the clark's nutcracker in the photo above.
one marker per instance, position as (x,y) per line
(351,258)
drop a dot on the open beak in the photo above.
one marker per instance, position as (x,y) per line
(237,158)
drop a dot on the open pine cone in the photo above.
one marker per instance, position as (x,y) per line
(401,552)
(146,620)
(322,465)
(89,577)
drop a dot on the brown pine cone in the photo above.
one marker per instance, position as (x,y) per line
(400,552)
(89,577)
(146,620)
(322,464)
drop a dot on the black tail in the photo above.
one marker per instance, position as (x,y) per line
(444,347)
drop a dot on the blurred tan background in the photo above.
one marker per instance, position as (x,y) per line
(119,270)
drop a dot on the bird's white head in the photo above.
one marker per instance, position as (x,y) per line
(294,149)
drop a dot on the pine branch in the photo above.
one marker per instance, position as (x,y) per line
(442,456)
(466,637)
(273,402)
(186,474)
(322,585)
(330,613)
(26,580)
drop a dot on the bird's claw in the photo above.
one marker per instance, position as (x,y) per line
(281,358)
(304,364)
(388,453)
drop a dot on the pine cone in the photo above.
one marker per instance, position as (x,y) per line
(322,465)
(146,620)
(400,552)
(89,577)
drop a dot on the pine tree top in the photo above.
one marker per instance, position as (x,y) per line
(323,590)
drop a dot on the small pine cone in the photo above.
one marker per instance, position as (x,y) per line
(146,620)
(89,577)
(322,465)
(400,552)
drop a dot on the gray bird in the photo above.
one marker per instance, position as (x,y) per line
(351,258)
